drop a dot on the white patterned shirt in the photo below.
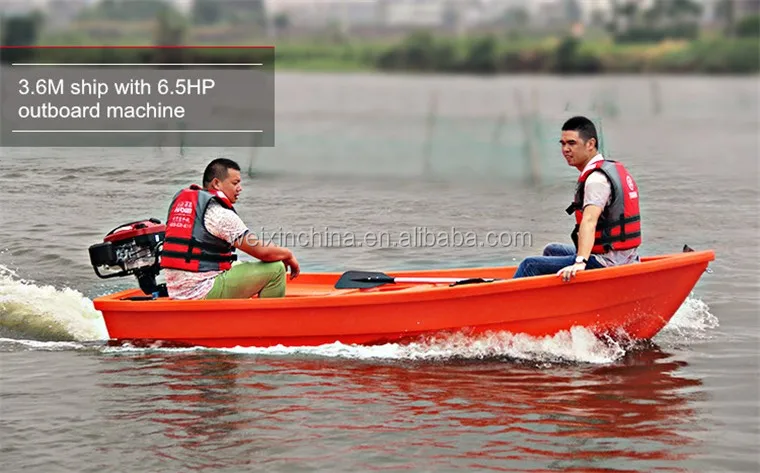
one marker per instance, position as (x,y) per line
(220,222)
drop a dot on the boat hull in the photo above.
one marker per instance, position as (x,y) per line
(633,301)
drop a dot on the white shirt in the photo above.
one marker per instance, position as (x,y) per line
(593,161)
(598,191)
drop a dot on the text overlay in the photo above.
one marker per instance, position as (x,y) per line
(138,104)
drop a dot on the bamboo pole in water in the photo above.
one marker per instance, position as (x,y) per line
(182,139)
(496,137)
(600,130)
(521,118)
(528,122)
(163,138)
(430,126)
(535,156)
(496,141)
(654,89)
(254,154)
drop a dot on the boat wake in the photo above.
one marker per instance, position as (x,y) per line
(577,345)
(693,321)
(44,313)
(41,317)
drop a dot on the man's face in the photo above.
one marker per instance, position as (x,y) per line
(574,149)
(230,185)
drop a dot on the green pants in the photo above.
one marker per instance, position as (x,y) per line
(246,279)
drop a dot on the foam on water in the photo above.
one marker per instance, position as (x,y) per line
(12,344)
(692,317)
(691,322)
(577,345)
(46,313)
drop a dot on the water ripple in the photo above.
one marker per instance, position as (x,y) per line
(222,412)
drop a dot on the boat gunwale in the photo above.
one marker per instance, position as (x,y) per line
(113,302)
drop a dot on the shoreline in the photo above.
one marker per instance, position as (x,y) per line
(483,55)
(366,70)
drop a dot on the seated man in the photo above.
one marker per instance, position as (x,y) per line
(202,232)
(606,207)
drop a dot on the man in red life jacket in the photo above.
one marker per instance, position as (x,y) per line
(605,207)
(202,232)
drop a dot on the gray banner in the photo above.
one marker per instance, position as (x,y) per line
(136,105)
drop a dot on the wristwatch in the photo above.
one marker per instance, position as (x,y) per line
(581,259)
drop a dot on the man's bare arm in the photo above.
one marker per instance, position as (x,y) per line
(261,250)
(587,230)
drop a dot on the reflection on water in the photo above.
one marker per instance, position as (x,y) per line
(208,411)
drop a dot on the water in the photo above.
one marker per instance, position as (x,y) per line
(352,156)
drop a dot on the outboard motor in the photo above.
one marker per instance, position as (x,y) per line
(133,248)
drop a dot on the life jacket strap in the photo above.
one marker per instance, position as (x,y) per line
(607,239)
(190,256)
(572,208)
(199,257)
(619,222)
(192,243)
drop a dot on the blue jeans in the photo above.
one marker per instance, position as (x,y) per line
(556,256)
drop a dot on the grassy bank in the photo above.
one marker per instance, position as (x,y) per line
(327,56)
(488,55)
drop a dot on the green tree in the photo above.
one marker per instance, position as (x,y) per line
(749,26)
(170,27)
(481,55)
(673,12)
(664,19)
(21,30)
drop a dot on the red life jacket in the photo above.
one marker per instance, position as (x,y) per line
(619,225)
(187,244)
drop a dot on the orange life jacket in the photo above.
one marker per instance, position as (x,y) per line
(187,244)
(619,225)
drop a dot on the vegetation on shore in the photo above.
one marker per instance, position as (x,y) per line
(658,40)
(654,41)
(423,52)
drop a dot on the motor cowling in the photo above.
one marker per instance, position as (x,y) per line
(132,249)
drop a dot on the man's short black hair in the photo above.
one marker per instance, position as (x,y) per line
(585,128)
(217,169)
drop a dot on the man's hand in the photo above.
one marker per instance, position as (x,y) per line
(292,263)
(586,233)
(568,272)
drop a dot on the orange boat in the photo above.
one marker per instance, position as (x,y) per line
(632,302)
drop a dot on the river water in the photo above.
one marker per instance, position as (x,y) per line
(373,153)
